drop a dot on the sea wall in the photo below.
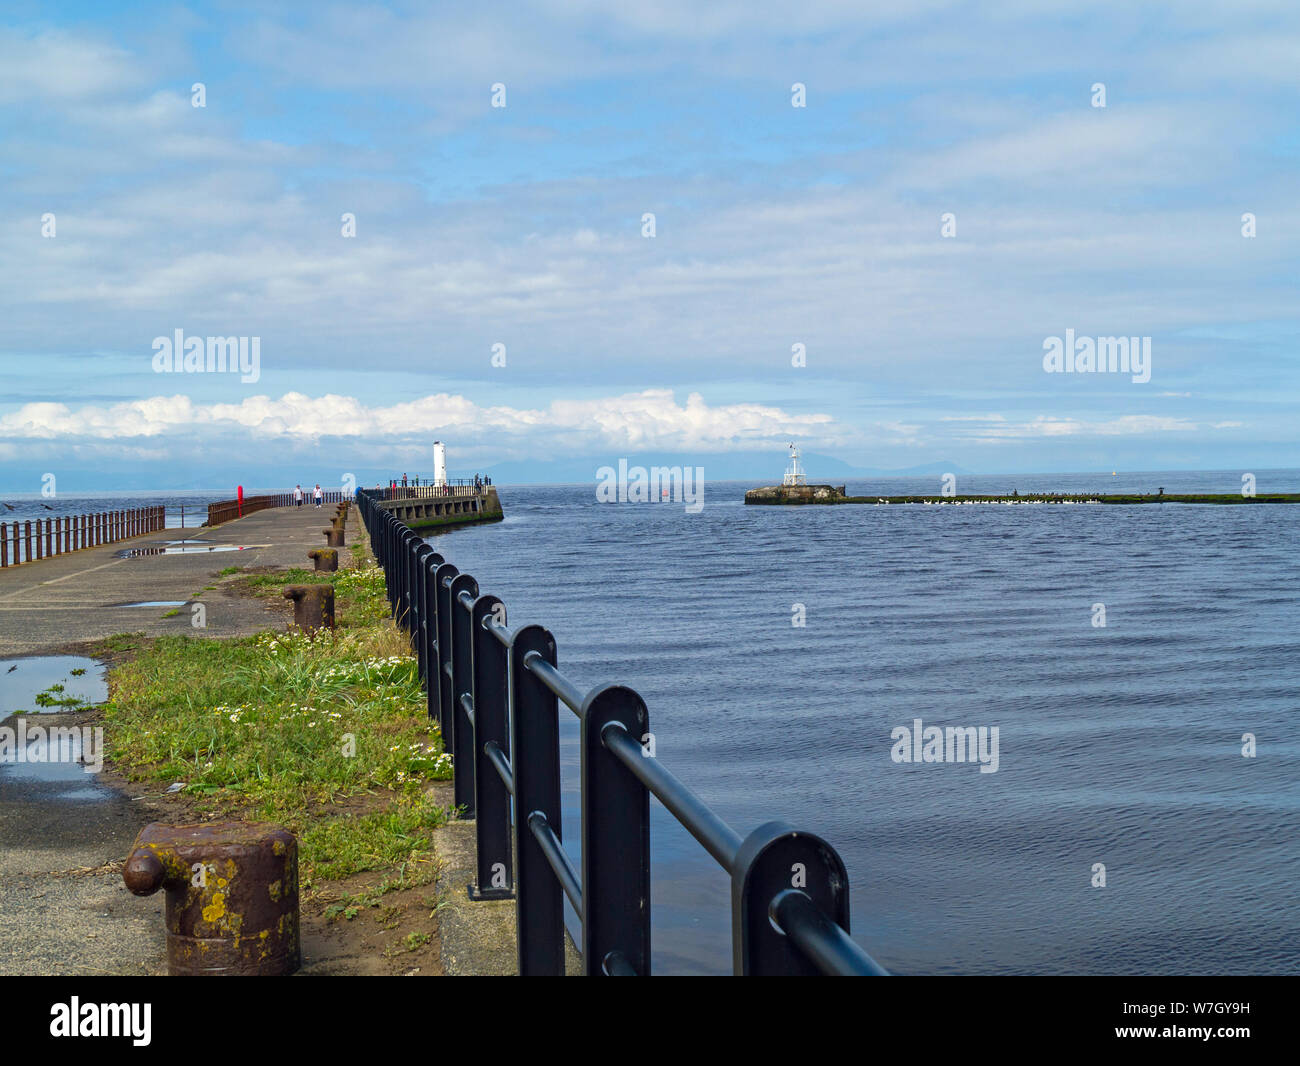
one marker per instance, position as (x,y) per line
(429,512)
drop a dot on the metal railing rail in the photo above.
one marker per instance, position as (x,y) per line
(228,510)
(27,541)
(461,487)
(495,693)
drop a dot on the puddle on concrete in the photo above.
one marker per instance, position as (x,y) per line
(48,758)
(189,549)
(154,603)
(21,680)
(52,759)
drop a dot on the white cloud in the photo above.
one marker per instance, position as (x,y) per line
(1053,426)
(60,66)
(648,420)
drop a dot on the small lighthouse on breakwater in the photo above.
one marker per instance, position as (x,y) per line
(794,475)
(794,487)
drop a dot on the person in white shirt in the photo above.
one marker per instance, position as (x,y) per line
(297,495)
(318,496)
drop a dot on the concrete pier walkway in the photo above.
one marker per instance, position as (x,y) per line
(71,599)
(63,906)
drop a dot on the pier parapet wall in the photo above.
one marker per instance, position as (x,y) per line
(429,506)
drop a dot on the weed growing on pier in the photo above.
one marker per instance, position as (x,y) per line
(58,696)
(324,732)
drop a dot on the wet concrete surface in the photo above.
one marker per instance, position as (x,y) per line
(63,906)
(63,832)
(51,603)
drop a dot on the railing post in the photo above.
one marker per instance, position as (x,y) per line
(404,558)
(535,761)
(615,838)
(432,688)
(390,541)
(446,720)
(491,797)
(420,588)
(462,684)
(772,859)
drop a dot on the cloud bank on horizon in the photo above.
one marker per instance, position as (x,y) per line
(875,273)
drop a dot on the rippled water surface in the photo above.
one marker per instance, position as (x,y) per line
(1119,745)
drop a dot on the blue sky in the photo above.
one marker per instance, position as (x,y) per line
(522,225)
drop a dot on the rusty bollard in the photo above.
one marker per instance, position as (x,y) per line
(325,558)
(333,537)
(232,895)
(313,605)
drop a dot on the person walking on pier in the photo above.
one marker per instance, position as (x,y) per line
(297,495)
(317,495)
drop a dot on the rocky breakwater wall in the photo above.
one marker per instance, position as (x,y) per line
(796,494)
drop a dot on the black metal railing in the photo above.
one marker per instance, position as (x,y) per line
(228,510)
(417,489)
(494,691)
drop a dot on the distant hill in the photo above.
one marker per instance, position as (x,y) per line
(767,467)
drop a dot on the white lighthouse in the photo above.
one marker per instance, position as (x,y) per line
(439,463)
(794,475)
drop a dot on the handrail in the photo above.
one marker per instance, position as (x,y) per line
(228,510)
(558,858)
(41,538)
(495,694)
(718,838)
(555,681)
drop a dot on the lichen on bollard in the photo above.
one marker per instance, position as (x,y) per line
(313,605)
(232,895)
(333,537)
(326,559)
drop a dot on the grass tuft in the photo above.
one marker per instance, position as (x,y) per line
(324,733)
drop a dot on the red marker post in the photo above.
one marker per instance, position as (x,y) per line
(239,495)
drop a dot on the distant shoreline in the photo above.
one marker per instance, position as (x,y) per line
(775,496)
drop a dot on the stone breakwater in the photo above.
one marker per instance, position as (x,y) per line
(428,508)
(797,494)
(829,494)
